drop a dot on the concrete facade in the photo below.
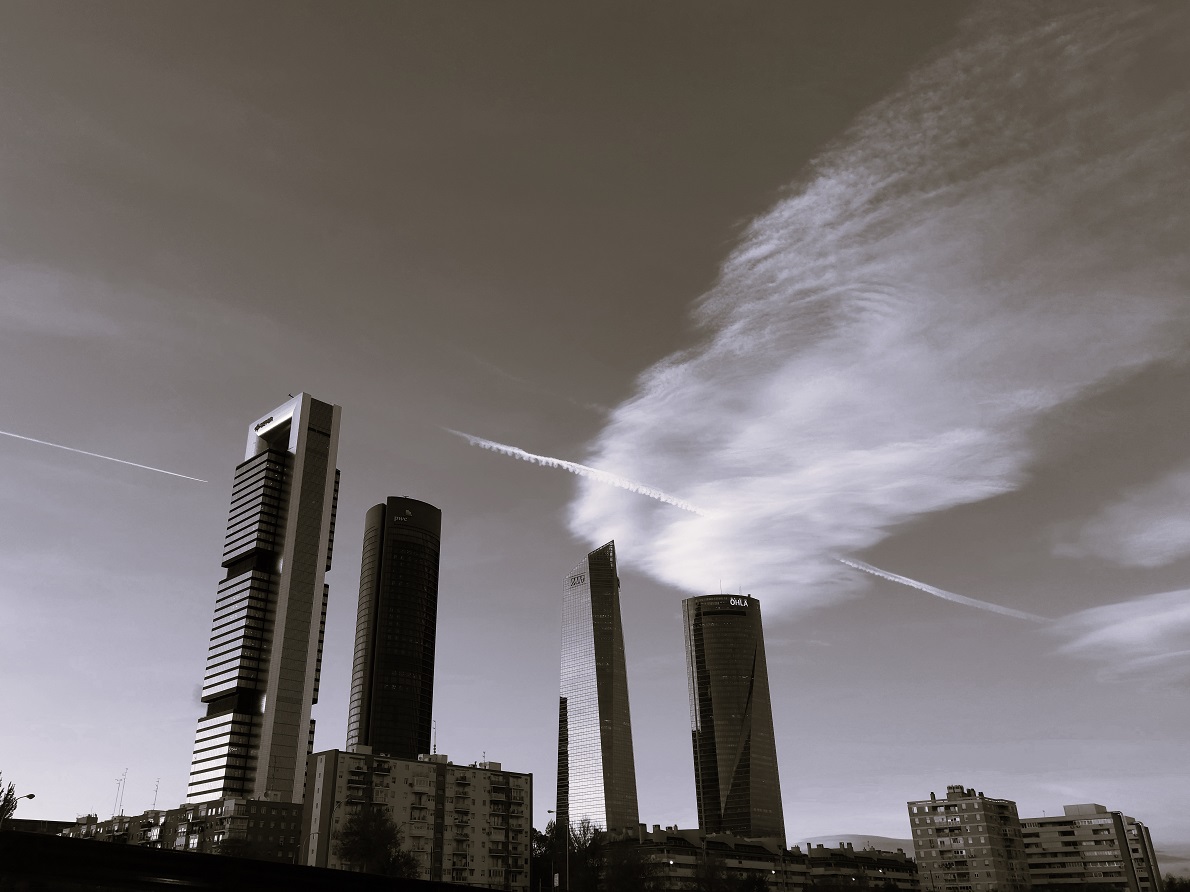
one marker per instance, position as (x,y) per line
(465,824)
(682,859)
(249,828)
(846,866)
(968,843)
(1090,847)
(686,859)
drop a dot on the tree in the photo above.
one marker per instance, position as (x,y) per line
(542,862)
(753,882)
(842,883)
(627,870)
(1176,884)
(711,874)
(8,801)
(587,857)
(371,842)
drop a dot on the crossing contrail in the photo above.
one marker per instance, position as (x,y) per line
(581,470)
(105,457)
(943,593)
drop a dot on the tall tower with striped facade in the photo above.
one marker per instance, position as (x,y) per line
(270,610)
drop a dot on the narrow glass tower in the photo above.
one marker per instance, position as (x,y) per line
(596,771)
(270,611)
(392,678)
(731,718)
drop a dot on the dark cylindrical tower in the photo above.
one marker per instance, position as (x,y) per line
(392,679)
(731,718)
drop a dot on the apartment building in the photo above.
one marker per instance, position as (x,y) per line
(968,842)
(1090,847)
(465,824)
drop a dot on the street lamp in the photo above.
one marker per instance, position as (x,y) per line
(312,836)
(566,849)
(14,805)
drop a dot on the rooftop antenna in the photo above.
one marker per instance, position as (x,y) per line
(156,787)
(118,806)
(435,737)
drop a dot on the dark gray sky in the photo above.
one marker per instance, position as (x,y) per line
(905,284)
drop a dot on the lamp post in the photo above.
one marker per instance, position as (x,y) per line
(566,847)
(14,805)
(313,835)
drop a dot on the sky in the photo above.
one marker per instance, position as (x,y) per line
(813,292)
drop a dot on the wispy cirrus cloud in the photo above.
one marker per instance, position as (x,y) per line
(999,237)
(1147,527)
(1146,638)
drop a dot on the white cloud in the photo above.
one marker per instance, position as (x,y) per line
(1147,638)
(1000,236)
(1147,527)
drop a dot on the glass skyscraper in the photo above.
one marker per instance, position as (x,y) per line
(392,679)
(270,611)
(731,718)
(596,771)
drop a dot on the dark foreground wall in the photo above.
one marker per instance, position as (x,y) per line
(32,862)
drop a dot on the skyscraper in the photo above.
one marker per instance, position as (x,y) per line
(731,718)
(392,679)
(270,610)
(596,771)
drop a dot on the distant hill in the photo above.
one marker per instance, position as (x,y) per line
(861,841)
(1174,859)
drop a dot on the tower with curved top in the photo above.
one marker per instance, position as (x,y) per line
(392,677)
(731,718)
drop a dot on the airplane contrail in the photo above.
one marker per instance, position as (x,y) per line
(105,457)
(581,470)
(943,593)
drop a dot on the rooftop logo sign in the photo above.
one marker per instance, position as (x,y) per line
(739,602)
